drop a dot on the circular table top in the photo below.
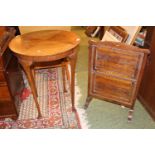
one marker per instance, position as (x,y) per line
(44,43)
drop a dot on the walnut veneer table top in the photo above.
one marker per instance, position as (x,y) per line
(44,43)
(46,46)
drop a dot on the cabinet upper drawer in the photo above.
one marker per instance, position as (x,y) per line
(119,64)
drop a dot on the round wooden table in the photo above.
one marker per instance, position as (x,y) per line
(46,46)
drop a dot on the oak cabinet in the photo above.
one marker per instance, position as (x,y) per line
(115,72)
(11,80)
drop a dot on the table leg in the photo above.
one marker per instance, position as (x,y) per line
(73,59)
(34,75)
(67,70)
(27,68)
(64,77)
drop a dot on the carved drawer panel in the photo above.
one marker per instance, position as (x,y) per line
(123,65)
(112,88)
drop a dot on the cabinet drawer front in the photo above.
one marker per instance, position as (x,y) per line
(4,93)
(120,64)
(112,88)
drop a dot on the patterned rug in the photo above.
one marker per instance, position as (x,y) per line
(54,103)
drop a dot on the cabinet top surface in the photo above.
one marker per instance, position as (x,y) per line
(44,43)
(117,46)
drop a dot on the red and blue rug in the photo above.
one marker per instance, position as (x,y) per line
(55,105)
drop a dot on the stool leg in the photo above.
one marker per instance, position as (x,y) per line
(26,66)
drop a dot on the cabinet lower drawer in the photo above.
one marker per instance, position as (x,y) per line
(112,88)
(7,109)
(2,78)
(4,93)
